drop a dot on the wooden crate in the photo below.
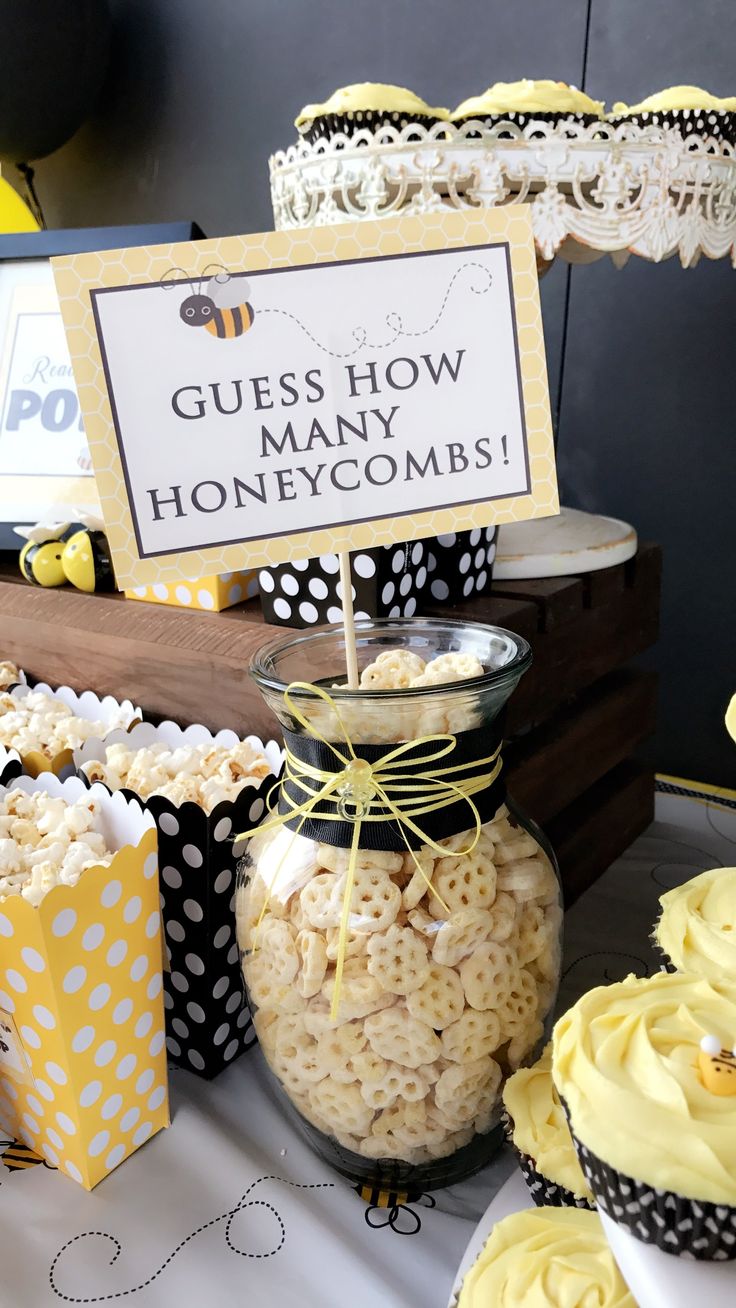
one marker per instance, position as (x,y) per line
(574,723)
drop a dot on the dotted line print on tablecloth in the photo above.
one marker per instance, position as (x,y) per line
(227,1217)
(642,968)
(394,321)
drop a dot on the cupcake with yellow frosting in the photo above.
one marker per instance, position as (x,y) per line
(546,1258)
(366,104)
(538,1129)
(527,101)
(647,1076)
(689,109)
(697,926)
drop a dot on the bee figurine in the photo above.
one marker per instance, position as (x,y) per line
(41,557)
(222,308)
(56,552)
(86,560)
(717,1066)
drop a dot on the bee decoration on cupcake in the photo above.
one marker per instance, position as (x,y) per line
(57,552)
(717,1066)
(220,305)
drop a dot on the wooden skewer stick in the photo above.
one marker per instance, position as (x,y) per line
(351,653)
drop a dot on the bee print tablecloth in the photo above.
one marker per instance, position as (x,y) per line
(230,1207)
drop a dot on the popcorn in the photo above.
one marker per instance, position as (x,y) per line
(205,774)
(47,842)
(9,674)
(39,722)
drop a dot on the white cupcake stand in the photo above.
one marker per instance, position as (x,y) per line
(647,190)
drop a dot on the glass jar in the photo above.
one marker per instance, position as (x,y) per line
(444,990)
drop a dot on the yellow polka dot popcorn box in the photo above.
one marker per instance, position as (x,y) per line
(45,726)
(83,1080)
(208,1023)
(208,594)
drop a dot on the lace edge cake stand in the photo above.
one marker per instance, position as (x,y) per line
(651,189)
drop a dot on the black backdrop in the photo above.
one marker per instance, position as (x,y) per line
(200,92)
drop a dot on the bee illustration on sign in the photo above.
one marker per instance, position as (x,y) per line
(220,305)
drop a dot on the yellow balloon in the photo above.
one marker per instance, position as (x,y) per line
(15,216)
(731,718)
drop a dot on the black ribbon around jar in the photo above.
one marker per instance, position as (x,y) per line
(378,830)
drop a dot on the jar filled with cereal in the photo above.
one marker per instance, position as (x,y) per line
(398,918)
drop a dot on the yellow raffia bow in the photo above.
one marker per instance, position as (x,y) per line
(374,792)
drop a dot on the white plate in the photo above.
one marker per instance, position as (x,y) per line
(570,543)
(513,1197)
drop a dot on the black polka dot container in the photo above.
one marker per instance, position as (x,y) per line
(208,1024)
(460,564)
(10,766)
(388,582)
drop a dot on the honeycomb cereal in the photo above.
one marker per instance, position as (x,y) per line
(398,959)
(472,1036)
(468,882)
(488,975)
(459,934)
(311,950)
(374,900)
(401,1038)
(394,669)
(440,1000)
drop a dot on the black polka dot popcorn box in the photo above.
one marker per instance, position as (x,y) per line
(460,564)
(394,581)
(208,1024)
(10,765)
(83,1078)
(389,581)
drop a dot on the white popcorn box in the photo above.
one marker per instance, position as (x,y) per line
(208,1023)
(83,1079)
(84,705)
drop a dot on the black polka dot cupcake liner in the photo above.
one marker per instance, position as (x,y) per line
(328,126)
(687,1228)
(718,124)
(461,564)
(388,582)
(543,1191)
(208,1023)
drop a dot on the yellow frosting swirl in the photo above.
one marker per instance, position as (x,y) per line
(625,1060)
(369,96)
(540,1125)
(546,1258)
(697,929)
(676,97)
(528,96)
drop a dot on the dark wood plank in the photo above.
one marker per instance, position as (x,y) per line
(554,764)
(558,599)
(591,833)
(603,586)
(577,655)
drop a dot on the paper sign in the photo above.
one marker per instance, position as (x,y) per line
(258,399)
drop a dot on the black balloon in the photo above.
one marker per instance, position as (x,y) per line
(53,59)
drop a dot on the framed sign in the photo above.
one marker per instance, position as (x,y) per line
(44,459)
(258,399)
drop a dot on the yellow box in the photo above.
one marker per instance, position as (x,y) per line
(206,593)
(83,1079)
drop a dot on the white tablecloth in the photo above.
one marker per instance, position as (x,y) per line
(230,1207)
